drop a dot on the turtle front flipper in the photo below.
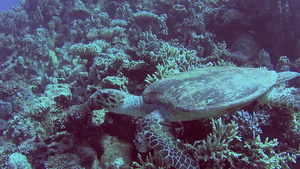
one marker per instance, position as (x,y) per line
(282,97)
(153,129)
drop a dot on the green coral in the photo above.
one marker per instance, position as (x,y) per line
(146,16)
(85,49)
(185,59)
(263,154)
(163,71)
(169,50)
(215,150)
(53,59)
(111,32)
(295,124)
(179,54)
(224,146)
(148,163)
(220,50)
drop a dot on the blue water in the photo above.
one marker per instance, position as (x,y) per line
(7,4)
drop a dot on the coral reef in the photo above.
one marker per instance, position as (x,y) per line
(215,150)
(116,153)
(162,72)
(17,160)
(55,54)
(148,163)
(224,148)
(265,156)
(60,161)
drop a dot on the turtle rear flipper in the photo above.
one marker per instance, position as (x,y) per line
(154,130)
(283,97)
(286,76)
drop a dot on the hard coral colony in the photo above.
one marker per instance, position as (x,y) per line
(150,84)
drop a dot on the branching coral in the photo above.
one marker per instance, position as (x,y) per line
(249,122)
(263,154)
(179,54)
(215,149)
(219,149)
(220,50)
(295,125)
(147,164)
(184,58)
(169,50)
(163,71)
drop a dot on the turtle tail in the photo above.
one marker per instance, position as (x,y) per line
(283,97)
(155,131)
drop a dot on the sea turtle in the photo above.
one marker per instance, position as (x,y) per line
(195,94)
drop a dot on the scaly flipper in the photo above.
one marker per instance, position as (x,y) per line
(158,137)
(283,97)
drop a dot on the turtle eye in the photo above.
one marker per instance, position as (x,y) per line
(105,95)
(112,100)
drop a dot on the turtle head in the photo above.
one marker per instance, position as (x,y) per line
(109,99)
(115,101)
